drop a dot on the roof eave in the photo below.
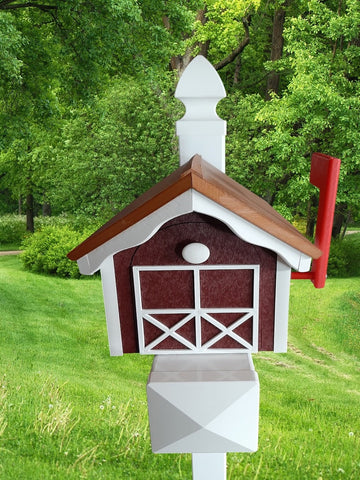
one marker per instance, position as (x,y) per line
(213,184)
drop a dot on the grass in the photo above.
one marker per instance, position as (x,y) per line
(70,411)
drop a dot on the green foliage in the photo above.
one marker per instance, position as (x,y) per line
(45,251)
(270,142)
(11,44)
(109,154)
(223,29)
(344,258)
(87,108)
(78,223)
(320,109)
(300,224)
(12,229)
(338,260)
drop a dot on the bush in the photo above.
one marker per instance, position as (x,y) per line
(12,229)
(344,258)
(45,251)
(74,222)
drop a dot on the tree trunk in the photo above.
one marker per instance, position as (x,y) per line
(277,43)
(311,217)
(339,219)
(180,62)
(46,209)
(237,70)
(345,226)
(30,213)
(239,49)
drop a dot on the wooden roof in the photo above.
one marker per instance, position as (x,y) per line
(199,175)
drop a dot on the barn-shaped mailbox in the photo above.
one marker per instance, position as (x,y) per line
(198,263)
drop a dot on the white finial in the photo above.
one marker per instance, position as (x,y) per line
(200,130)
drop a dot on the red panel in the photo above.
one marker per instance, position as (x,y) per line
(227,319)
(208,331)
(170,343)
(167,289)
(188,331)
(169,319)
(151,332)
(245,330)
(226,288)
(227,342)
(124,286)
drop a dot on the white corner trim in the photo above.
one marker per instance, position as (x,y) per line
(111,307)
(282,292)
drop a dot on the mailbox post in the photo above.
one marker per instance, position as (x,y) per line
(197,271)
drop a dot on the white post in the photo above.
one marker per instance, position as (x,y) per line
(209,466)
(200,130)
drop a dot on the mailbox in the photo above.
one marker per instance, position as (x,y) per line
(197,272)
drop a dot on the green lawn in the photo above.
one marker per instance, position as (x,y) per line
(70,411)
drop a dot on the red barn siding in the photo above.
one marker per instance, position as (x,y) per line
(174,289)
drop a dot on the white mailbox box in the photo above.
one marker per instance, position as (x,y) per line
(203,403)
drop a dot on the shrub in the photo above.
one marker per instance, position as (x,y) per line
(344,258)
(300,224)
(45,251)
(12,229)
(74,222)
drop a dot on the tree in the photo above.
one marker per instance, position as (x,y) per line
(61,54)
(28,106)
(111,152)
(80,79)
(319,110)
(221,31)
(277,44)
(55,55)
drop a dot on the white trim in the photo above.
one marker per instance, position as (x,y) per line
(251,233)
(191,201)
(111,307)
(282,293)
(197,312)
(137,234)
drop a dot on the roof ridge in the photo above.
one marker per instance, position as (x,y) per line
(203,177)
(195,166)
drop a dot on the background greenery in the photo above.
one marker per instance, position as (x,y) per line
(68,410)
(87,110)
